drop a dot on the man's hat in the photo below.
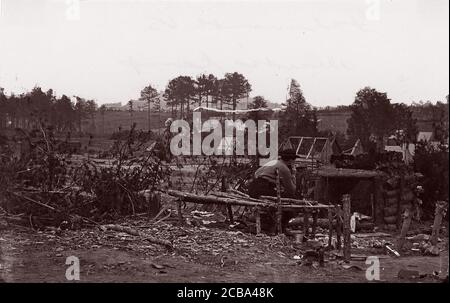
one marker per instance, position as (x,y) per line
(288,154)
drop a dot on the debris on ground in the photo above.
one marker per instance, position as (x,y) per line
(408,274)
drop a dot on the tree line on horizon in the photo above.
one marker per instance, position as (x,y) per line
(373,116)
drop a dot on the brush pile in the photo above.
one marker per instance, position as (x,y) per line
(45,187)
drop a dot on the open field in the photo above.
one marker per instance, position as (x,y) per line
(109,122)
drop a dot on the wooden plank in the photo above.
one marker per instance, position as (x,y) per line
(347,173)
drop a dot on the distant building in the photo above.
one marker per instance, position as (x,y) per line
(333,120)
(113,106)
(138,105)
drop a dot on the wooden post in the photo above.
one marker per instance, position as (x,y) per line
(258,220)
(230,213)
(229,207)
(338,226)
(305,224)
(279,213)
(314,223)
(330,227)
(399,202)
(346,226)
(405,227)
(318,189)
(372,204)
(180,214)
(438,214)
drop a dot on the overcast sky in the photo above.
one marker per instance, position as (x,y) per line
(109,50)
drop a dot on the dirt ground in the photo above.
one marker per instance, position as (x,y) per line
(201,255)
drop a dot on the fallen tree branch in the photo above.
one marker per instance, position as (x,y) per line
(162,219)
(54,209)
(210,199)
(237,192)
(290,200)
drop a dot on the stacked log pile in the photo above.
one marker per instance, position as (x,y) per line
(396,200)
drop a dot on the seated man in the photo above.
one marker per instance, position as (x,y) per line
(264,183)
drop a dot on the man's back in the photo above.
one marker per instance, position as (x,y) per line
(268,172)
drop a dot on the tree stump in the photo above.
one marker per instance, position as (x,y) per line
(153,204)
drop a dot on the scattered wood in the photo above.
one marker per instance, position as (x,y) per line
(137,233)
(157,266)
(391,250)
(211,199)
(237,192)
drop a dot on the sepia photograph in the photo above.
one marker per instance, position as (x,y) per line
(208,144)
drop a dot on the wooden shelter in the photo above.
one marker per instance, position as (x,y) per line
(356,150)
(316,150)
(364,186)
